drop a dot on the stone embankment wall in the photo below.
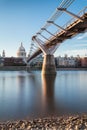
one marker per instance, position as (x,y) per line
(12,68)
(26,68)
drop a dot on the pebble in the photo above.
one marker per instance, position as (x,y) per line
(76,122)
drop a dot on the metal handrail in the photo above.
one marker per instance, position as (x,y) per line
(69,24)
(71,21)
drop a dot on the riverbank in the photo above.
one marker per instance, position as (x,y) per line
(71,69)
(75,122)
(12,68)
(26,68)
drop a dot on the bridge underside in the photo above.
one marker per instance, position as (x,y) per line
(71,31)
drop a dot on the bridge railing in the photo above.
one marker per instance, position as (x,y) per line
(67,26)
(70,23)
(80,14)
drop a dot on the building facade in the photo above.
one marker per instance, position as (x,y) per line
(68,61)
(84,62)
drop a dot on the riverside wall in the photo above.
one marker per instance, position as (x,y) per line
(26,68)
(12,68)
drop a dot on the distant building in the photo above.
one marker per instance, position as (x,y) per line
(68,61)
(3,54)
(1,61)
(84,62)
(2,58)
(21,53)
(20,60)
(13,61)
(65,61)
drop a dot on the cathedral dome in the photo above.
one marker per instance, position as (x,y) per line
(21,48)
(21,52)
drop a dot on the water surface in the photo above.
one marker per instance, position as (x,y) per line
(28,95)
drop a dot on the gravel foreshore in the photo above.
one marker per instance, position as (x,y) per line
(75,122)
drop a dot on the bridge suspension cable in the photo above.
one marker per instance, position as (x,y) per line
(33,48)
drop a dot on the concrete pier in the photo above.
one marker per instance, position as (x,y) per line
(49,65)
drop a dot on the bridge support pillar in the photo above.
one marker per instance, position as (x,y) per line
(49,65)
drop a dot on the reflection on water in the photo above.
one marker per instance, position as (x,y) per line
(28,95)
(48,84)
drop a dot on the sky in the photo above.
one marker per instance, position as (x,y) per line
(21,19)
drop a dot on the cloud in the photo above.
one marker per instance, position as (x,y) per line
(82,36)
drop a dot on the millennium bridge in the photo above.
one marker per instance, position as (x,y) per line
(78,24)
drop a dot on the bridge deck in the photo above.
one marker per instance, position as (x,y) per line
(71,30)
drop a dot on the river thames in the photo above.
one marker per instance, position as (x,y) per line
(26,95)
